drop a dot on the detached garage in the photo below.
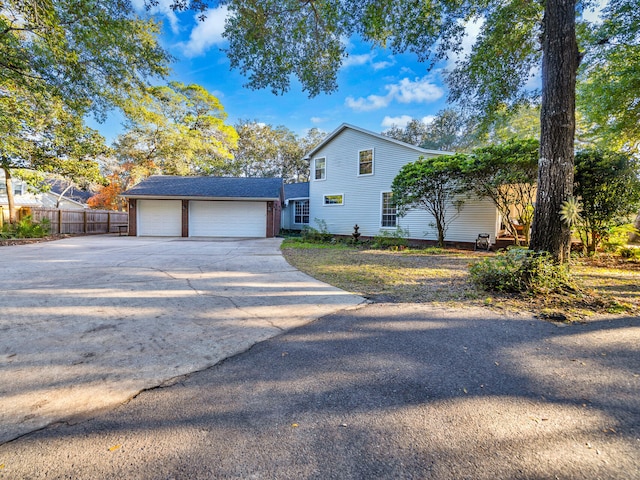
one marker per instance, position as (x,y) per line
(170,206)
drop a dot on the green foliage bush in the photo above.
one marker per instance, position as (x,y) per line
(391,238)
(26,228)
(319,235)
(630,253)
(618,237)
(522,271)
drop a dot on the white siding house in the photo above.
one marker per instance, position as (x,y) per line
(351,175)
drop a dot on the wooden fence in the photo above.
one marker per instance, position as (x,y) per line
(82,221)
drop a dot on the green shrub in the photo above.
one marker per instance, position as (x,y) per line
(26,228)
(391,238)
(519,270)
(320,234)
(630,253)
(618,237)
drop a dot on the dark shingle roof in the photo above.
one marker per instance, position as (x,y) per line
(296,190)
(163,186)
(58,186)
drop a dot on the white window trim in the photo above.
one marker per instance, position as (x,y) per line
(373,162)
(295,202)
(314,169)
(324,197)
(382,212)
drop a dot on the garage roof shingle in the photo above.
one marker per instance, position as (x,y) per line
(167,186)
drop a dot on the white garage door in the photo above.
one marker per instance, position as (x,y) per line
(160,218)
(227,219)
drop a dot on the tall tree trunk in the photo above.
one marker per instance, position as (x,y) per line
(8,181)
(560,62)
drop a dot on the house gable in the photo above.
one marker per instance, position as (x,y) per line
(362,189)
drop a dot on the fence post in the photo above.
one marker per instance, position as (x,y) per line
(108,222)
(59,222)
(84,226)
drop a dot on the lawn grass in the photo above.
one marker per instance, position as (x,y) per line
(442,277)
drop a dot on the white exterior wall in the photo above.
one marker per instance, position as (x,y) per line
(363,194)
(476,216)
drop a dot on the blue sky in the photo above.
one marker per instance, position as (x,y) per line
(376,89)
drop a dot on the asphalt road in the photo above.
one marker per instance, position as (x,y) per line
(382,392)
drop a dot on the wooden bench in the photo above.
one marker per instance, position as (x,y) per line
(123,230)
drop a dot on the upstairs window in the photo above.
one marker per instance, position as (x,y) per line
(320,168)
(365,162)
(389,211)
(301,212)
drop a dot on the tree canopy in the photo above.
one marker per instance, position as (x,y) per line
(176,130)
(607,184)
(41,134)
(90,53)
(265,151)
(448,131)
(432,183)
(610,77)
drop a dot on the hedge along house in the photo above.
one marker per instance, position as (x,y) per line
(174,206)
(351,175)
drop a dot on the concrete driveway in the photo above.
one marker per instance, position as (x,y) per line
(87,323)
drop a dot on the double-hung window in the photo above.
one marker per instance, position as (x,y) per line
(389,211)
(301,212)
(365,162)
(320,168)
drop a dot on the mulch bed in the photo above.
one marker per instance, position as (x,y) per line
(7,242)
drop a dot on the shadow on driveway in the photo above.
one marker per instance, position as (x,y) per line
(385,391)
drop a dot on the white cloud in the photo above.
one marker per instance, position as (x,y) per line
(420,90)
(428,119)
(368,59)
(356,60)
(163,8)
(372,102)
(317,120)
(401,121)
(384,64)
(207,33)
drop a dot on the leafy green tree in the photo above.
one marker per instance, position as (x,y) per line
(610,77)
(265,151)
(607,184)
(176,130)
(41,135)
(271,43)
(523,124)
(433,184)
(414,133)
(450,130)
(506,173)
(90,53)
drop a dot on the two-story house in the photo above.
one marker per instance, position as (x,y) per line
(350,183)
